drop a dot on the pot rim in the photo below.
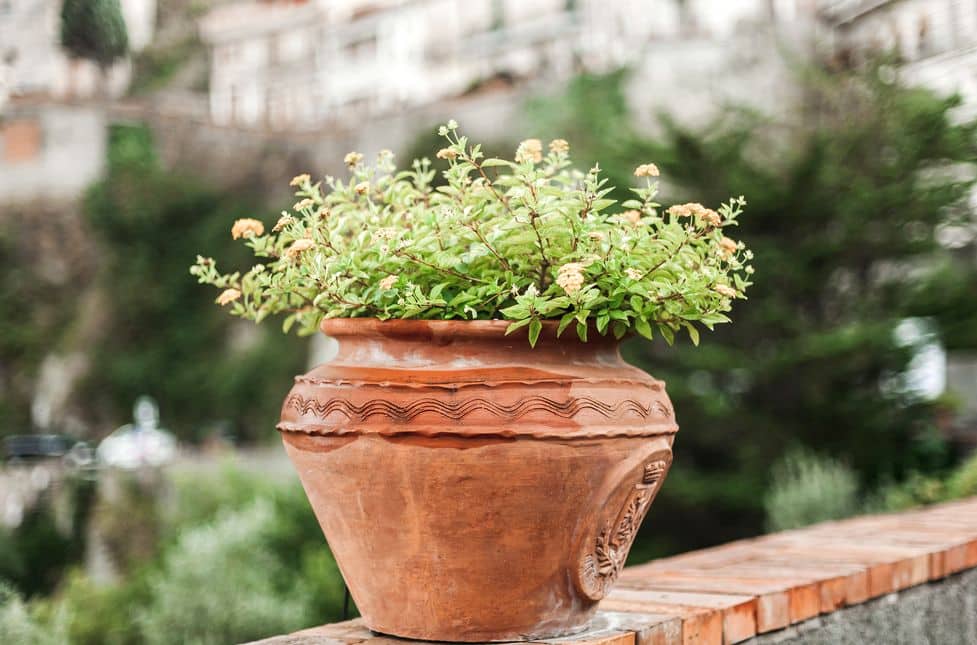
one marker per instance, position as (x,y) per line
(423,329)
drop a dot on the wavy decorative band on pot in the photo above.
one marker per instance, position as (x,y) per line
(497,487)
(458,410)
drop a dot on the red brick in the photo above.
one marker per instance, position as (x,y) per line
(737,612)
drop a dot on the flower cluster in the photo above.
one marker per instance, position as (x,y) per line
(526,240)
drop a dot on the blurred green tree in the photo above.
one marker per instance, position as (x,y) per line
(846,197)
(162,334)
(94,29)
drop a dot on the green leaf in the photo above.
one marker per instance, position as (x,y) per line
(693,333)
(582,331)
(287,323)
(642,327)
(534,328)
(603,319)
(493,163)
(564,323)
(516,325)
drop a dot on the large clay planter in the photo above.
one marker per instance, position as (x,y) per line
(472,488)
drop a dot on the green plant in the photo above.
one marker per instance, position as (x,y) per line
(159,334)
(536,241)
(203,593)
(20,625)
(94,29)
(963,482)
(807,488)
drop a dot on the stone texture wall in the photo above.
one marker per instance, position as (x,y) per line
(938,613)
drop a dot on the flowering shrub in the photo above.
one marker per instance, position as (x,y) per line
(525,240)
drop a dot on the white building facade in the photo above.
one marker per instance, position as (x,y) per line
(32,62)
(293,64)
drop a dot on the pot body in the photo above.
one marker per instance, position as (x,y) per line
(472,488)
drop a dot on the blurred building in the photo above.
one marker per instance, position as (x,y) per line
(50,123)
(294,64)
(35,64)
(935,41)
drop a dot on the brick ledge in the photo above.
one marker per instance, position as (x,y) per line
(731,593)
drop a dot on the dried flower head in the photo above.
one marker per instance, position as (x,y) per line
(388,282)
(362,188)
(303,204)
(727,246)
(228,296)
(725,291)
(530,150)
(282,222)
(710,217)
(646,170)
(246,228)
(300,180)
(298,247)
(353,159)
(633,273)
(447,153)
(559,146)
(630,217)
(570,277)
(597,236)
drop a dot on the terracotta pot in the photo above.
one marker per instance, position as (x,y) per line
(472,488)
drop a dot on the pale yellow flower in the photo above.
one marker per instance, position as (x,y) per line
(447,153)
(362,188)
(298,247)
(559,146)
(725,291)
(247,227)
(352,159)
(570,277)
(530,150)
(282,222)
(633,273)
(646,170)
(680,210)
(630,217)
(727,246)
(710,217)
(298,180)
(388,282)
(303,204)
(227,296)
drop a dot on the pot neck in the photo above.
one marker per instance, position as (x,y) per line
(451,344)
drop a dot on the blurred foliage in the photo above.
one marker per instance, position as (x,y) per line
(256,567)
(156,65)
(46,260)
(845,200)
(50,539)
(94,29)
(806,488)
(222,583)
(162,335)
(20,625)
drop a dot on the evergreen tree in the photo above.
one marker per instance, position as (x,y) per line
(94,29)
(846,199)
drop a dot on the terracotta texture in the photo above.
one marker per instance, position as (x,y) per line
(472,488)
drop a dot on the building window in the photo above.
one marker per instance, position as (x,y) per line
(21,140)
(498,14)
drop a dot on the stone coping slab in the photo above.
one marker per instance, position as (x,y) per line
(737,591)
